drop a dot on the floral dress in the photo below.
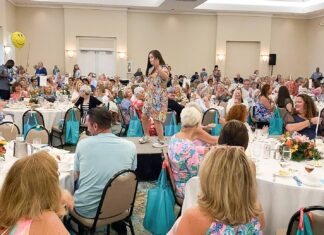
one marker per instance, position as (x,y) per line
(156,101)
(185,157)
(252,228)
(262,113)
(21,228)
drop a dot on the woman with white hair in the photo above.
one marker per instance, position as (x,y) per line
(184,154)
(203,98)
(138,101)
(86,101)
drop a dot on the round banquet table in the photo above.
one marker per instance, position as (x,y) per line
(279,196)
(51,116)
(66,165)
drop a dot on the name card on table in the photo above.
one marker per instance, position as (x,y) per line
(42,80)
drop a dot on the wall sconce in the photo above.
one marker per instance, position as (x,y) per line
(7,49)
(220,57)
(122,55)
(70,53)
(264,58)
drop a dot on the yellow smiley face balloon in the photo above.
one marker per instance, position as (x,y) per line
(18,39)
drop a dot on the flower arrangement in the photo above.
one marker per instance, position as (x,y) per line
(34,96)
(302,148)
(65,90)
(3,142)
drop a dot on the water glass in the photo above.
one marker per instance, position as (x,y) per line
(37,142)
(267,151)
(286,153)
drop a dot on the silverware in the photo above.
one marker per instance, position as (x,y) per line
(298,181)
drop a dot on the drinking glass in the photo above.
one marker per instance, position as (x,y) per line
(37,142)
(309,167)
(286,153)
(267,151)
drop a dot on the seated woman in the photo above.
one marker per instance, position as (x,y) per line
(237,98)
(173,105)
(17,92)
(204,99)
(180,96)
(234,133)
(35,204)
(184,155)
(138,100)
(238,112)
(228,198)
(221,94)
(48,94)
(86,101)
(76,91)
(126,104)
(284,102)
(304,118)
(264,108)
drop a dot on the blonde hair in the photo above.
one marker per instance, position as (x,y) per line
(190,117)
(30,188)
(228,186)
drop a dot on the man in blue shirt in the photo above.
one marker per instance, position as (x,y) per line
(97,159)
(5,79)
(317,75)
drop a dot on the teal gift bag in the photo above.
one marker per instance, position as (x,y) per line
(159,213)
(304,227)
(276,123)
(31,123)
(172,128)
(217,129)
(135,126)
(72,133)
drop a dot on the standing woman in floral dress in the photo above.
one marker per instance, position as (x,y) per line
(156,101)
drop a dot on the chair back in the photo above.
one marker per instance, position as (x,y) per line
(38,115)
(67,116)
(169,172)
(252,114)
(9,130)
(38,132)
(317,224)
(168,118)
(118,197)
(209,116)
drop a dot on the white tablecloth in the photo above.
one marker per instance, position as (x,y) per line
(51,116)
(280,197)
(66,166)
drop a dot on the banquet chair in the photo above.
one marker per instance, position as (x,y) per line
(116,204)
(168,118)
(59,133)
(209,116)
(9,130)
(38,115)
(124,124)
(178,200)
(38,132)
(317,221)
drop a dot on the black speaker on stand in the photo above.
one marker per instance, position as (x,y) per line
(272,61)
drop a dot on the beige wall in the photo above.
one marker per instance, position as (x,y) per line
(243,28)
(44,30)
(315,55)
(289,42)
(185,41)
(96,23)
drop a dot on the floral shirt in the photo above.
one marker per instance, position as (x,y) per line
(185,157)
(21,228)
(262,113)
(252,228)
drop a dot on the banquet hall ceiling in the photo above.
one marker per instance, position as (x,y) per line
(295,7)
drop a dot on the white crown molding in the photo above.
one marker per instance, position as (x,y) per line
(84,7)
(12,2)
(133,10)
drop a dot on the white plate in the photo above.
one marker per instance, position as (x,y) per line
(310,180)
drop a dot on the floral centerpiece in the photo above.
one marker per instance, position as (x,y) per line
(34,96)
(302,148)
(65,90)
(3,142)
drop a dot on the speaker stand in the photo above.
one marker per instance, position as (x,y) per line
(271,70)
